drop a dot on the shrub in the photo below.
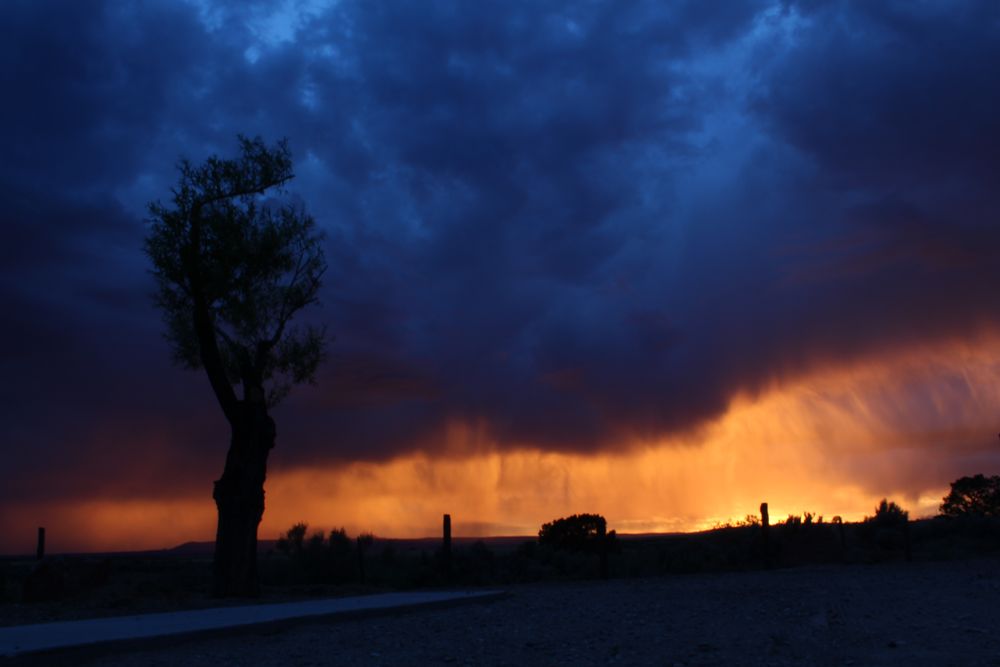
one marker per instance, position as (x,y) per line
(340,543)
(292,541)
(579,532)
(888,513)
(317,559)
(748,521)
(886,529)
(365,540)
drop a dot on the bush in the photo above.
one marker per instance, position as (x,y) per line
(317,559)
(886,529)
(339,543)
(579,532)
(291,543)
(888,514)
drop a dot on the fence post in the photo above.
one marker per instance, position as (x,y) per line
(839,522)
(765,532)
(446,546)
(361,560)
(603,546)
(40,551)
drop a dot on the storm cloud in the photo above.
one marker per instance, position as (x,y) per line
(574,226)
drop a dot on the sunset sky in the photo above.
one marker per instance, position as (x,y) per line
(661,261)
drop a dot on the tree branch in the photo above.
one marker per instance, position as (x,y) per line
(288,309)
(236,193)
(208,346)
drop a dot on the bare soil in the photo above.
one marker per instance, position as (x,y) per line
(892,614)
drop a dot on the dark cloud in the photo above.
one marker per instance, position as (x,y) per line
(574,225)
(889,105)
(894,96)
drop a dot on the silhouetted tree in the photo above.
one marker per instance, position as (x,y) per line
(579,532)
(292,543)
(973,496)
(340,543)
(232,269)
(888,513)
(888,528)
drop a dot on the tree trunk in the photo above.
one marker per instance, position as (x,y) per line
(239,497)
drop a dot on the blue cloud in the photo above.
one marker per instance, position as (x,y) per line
(573,223)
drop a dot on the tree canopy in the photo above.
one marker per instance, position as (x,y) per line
(233,265)
(579,532)
(973,496)
(888,513)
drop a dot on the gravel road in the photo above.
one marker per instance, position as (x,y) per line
(899,614)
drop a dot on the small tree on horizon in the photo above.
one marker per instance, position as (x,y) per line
(579,532)
(888,513)
(232,269)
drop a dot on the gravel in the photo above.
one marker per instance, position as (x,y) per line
(898,614)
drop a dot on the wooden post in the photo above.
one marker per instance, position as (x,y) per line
(765,532)
(603,546)
(361,560)
(906,539)
(446,546)
(40,551)
(843,537)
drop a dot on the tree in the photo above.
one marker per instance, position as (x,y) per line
(973,496)
(888,513)
(889,528)
(233,266)
(579,532)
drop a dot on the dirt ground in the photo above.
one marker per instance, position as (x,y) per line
(898,614)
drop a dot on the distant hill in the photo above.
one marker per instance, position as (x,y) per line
(207,549)
(197,549)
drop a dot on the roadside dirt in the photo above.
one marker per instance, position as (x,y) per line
(898,614)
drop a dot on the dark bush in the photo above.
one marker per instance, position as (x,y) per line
(888,514)
(886,530)
(316,559)
(340,543)
(579,532)
(291,543)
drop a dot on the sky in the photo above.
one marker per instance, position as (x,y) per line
(662,261)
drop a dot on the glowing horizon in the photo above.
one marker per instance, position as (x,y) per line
(830,443)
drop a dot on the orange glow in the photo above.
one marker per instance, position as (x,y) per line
(832,443)
(108,525)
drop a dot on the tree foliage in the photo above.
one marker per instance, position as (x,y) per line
(579,532)
(248,262)
(888,513)
(316,558)
(973,496)
(293,541)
